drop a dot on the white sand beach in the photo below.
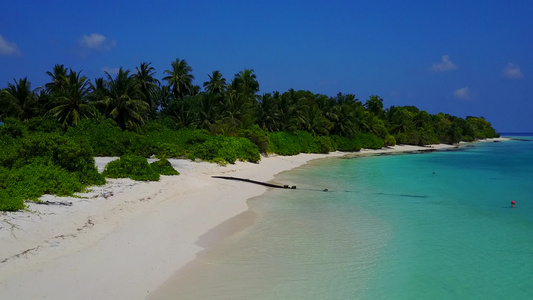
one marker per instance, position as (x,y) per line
(123,240)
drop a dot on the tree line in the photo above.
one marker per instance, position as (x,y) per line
(225,107)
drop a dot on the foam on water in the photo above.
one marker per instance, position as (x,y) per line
(427,226)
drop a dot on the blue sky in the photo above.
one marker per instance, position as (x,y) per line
(458,57)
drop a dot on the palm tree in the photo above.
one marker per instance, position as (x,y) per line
(268,112)
(348,98)
(148,85)
(401,121)
(208,109)
(72,102)
(216,83)
(98,90)
(377,126)
(245,82)
(343,118)
(349,115)
(234,105)
(184,111)
(163,97)
(422,119)
(314,122)
(58,77)
(362,120)
(180,79)
(374,105)
(18,101)
(330,110)
(195,90)
(97,93)
(289,109)
(123,101)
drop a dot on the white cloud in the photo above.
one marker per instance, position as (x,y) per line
(445,65)
(111,71)
(96,41)
(512,71)
(463,93)
(7,48)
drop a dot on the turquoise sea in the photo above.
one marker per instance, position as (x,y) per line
(409,226)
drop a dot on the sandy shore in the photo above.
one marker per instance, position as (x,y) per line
(124,239)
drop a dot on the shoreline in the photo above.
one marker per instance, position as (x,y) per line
(127,245)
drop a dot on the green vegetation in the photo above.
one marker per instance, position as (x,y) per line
(137,168)
(163,167)
(131,166)
(34,163)
(50,135)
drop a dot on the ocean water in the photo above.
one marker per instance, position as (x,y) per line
(412,226)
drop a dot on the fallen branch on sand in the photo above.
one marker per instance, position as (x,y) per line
(64,203)
(256,182)
(23,253)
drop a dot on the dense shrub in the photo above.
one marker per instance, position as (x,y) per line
(369,140)
(167,150)
(413,138)
(74,157)
(467,138)
(166,143)
(136,144)
(208,150)
(283,143)
(427,137)
(44,124)
(13,128)
(9,153)
(163,167)
(389,140)
(246,150)
(162,121)
(158,125)
(132,166)
(222,149)
(180,140)
(105,137)
(4,175)
(10,202)
(346,144)
(450,136)
(44,163)
(324,144)
(189,138)
(33,180)
(257,136)
(307,142)
(401,139)
(226,127)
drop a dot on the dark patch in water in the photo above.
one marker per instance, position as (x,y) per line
(402,195)
(359,192)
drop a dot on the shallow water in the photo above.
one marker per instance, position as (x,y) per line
(425,226)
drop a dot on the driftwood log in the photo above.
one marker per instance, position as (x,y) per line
(64,203)
(256,182)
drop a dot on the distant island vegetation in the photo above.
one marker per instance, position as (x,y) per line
(51,134)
